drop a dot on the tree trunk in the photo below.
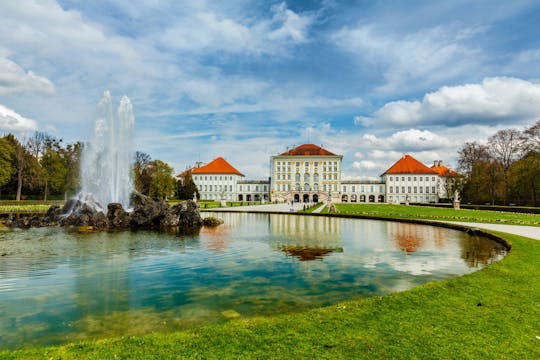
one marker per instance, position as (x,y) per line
(20,164)
(46,190)
(19,184)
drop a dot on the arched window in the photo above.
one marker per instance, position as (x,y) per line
(315,177)
(297,187)
(316,187)
(306,177)
(297,177)
(306,187)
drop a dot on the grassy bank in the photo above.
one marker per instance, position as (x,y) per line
(389,211)
(493,313)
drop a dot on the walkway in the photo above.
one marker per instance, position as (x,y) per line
(319,209)
(532,232)
(527,231)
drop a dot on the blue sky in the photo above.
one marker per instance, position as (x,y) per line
(371,80)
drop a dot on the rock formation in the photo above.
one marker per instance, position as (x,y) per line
(146,214)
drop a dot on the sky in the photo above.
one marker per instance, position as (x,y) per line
(245,79)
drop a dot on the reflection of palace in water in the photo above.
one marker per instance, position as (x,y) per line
(413,237)
(306,237)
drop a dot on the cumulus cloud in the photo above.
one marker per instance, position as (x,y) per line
(11,121)
(495,100)
(427,56)
(13,79)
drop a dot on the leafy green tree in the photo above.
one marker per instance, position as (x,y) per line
(163,183)
(185,187)
(7,168)
(54,171)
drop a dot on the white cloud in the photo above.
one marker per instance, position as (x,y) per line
(495,100)
(427,56)
(11,121)
(208,31)
(13,79)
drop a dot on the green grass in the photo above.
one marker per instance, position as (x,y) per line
(391,211)
(490,314)
(23,208)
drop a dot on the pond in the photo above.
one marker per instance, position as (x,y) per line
(58,285)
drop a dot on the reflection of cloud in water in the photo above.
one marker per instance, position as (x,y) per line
(308,253)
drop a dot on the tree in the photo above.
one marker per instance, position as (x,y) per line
(185,188)
(531,138)
(162,183)
(7,168)
(71,157)
(470,154)
(505,147)
(141,175)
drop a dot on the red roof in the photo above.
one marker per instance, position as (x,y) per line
(307,149)
(445,171)
(409,165)
(216,166)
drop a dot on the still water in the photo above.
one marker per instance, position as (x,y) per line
(60,285)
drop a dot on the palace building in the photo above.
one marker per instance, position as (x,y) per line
(309,173)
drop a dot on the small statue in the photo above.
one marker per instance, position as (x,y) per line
(456,195)
(195,197)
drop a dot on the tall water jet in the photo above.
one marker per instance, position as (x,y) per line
(108,156)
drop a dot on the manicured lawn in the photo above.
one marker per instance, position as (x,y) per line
(433,213)
(23,208)
(493,313)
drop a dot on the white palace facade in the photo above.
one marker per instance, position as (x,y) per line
(309,173)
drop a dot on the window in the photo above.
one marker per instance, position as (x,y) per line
(297,177)
(306,164)
(403,178)
(288,176)
(324,187)
(306,177)
(220,178)
(298,164)
(344,188)
(210,187)
(297,187)
(408,189)
(427,189)
(371,188)
(415,190)
(414,179)
(335,168)
(306,187)
(257,188)
(316,163)
(391,189)
(240,187)
(420,178)
(316,187)
(324,176)
(265,188)
(390,178)
(230,187)
(316,177)
(421,188)
(205,187)
(230,177)
(335,162)
(353,188)
(408,178)
(433,178)
(335,176)
(403,189)
(433,189)
(249,187)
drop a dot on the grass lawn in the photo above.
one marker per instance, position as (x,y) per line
(23,208)
(493,313)
(433,213)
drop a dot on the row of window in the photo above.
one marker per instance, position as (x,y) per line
(288,169)
(209,177)
(372,188)
(298,177)
(415,189)
(307,187)
(224,188)
(316,163)
(414,178)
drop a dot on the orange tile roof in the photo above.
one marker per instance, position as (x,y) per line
(409,165)
(216,166)
(307,149)
(445,171)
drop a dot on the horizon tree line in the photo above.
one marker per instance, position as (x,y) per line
(503,170)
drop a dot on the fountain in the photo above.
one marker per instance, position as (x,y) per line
(107,158)
(107,199)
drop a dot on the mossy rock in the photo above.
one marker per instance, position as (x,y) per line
(212,221)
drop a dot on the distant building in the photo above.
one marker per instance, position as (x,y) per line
(306,173)
(408,180)
(216,180)
(310,173)
(446,181)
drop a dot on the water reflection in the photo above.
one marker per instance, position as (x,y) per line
(314,238)
(58,286)
(410,238)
